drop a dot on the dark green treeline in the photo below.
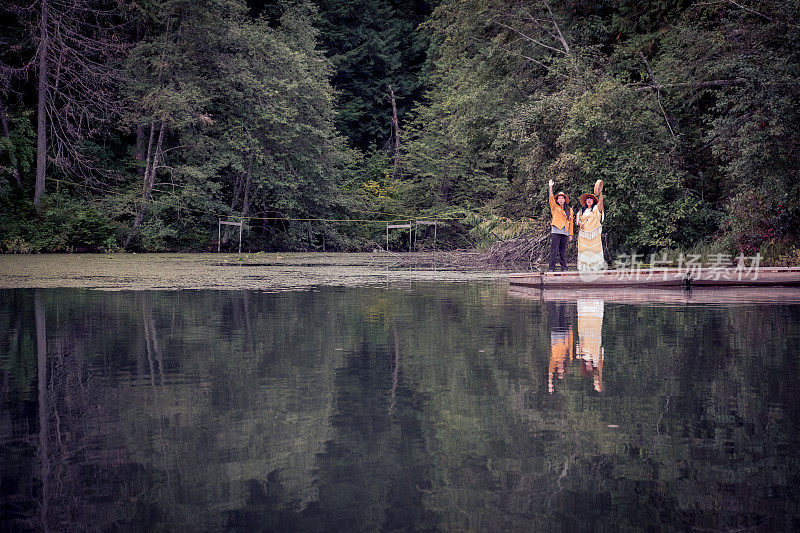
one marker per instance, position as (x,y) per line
(136,125)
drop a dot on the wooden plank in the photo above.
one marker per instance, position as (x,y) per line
(398,226)
(670,277)
(224,223)
(663,295)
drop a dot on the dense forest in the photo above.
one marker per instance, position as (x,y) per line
(138,125)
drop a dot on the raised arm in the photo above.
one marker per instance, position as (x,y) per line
(598,191)
(553,203)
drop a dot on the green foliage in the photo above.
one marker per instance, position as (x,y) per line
(644,16)
(18,150)
(687,110)
(614,136)
(62,223)
(90,230)
(512,105)
(373,190)
(249,111)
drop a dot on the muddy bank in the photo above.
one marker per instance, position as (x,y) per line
(261,271)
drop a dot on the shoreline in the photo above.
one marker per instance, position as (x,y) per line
(256,271)
(249,271)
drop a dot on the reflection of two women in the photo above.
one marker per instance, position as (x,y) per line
(590,349)
(560,343)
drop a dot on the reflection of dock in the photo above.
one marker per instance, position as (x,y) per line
(673,296)
(661,277)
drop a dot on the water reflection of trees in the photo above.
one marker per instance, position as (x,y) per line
(376,409)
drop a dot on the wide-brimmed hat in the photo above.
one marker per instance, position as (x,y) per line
(562,193)
(588,195)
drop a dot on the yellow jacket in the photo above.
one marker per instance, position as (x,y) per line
(559,351)
(562,218)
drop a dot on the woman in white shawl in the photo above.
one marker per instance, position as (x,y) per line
(590,221)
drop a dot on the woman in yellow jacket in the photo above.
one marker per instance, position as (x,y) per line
(561,228)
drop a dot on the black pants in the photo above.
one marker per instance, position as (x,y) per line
(558,249)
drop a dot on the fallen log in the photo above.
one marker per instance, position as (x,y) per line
(531,249)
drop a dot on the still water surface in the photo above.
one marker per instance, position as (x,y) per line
(456,407)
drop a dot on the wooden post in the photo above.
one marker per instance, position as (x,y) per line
(398,226)
(433,223)
(221,223)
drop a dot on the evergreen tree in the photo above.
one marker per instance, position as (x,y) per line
(373,44)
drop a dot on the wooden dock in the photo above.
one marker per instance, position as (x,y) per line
(660,277)
(664,295)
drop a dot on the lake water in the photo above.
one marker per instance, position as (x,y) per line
(414,406)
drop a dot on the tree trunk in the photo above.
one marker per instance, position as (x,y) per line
(141,149)
(444,184)
(41,119)
(155,162)
(7,135)
(148,156)
(151,339)
(237,191)
(149,178)
(41,359)
(395,370)
(246,201)
(396,128)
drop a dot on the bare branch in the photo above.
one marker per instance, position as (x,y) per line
(558,30)
(753,11)
(528,58)
(528,37)
(693,84)
(658,93)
